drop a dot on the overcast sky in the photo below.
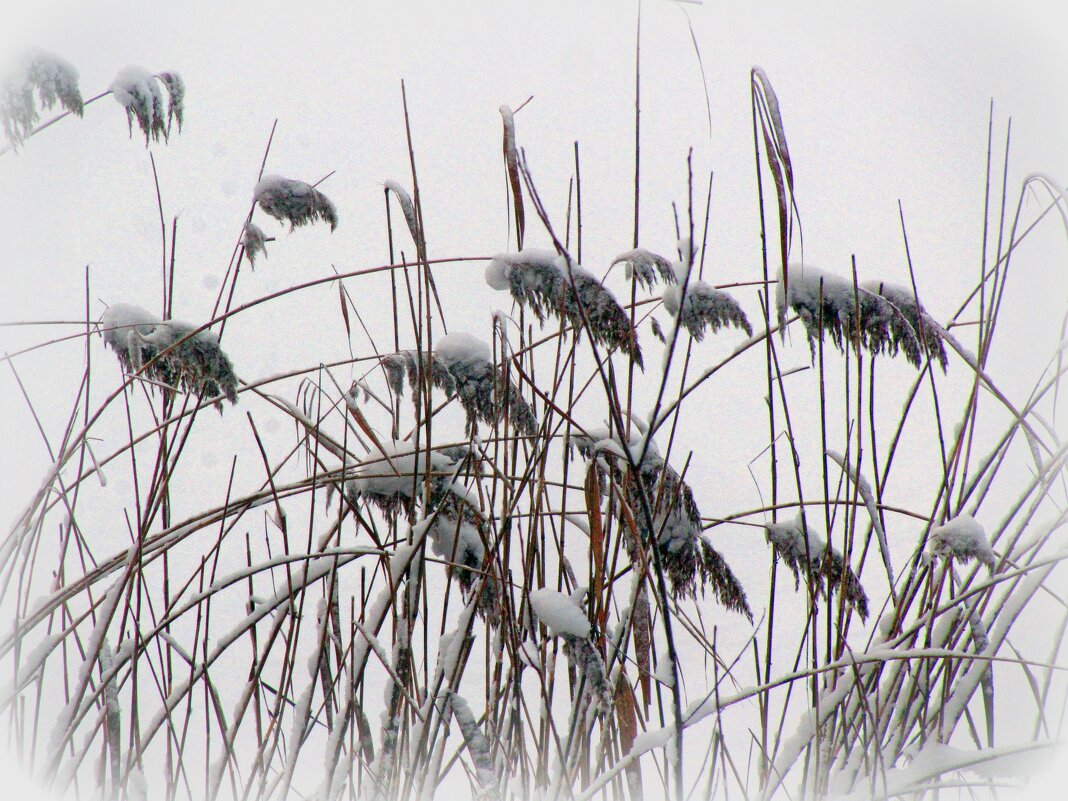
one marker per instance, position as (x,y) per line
(880,104)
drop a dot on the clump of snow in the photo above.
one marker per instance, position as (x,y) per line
(123,327)
(459,348)
(254,241)
(477,745)
(559,613)
(645,266)
(295,202)
(53,78)
(962,538)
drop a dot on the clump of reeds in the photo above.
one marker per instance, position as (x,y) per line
(963,539)
(138,92)
(295,202)
(553,284)
(880,323)
(646,267)
(807,555)
(689,560)
(461,365)
(52,78)
(170,352)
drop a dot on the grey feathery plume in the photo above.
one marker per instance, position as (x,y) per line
(461,366)
(138,92)
(169,352)
(295,202)
(175,87)
(550,284)
(254,241)
(55,81)
(879,317)
(645,266)
(704,307)
(806,553)
(689,560)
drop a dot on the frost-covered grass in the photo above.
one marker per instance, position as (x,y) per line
(512,559)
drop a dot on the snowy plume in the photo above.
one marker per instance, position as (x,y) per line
(807,555)
(587,659)
(555,285)
(704,307)
(461,365)
(645,267)
(880,323)
(796,544)
(54,80)
(175,87)
(169,352)
(394,367)
(461,543)
(911,317)
(392,479)
(690,561)
(295,202)
(195,359)
(124,327)
(254,242)
(964,539)
(138,92)
(477,746)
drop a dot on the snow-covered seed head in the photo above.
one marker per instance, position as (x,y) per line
(138,92)
(878,317)
(295,202)
(55,81)
(963,539)
(807,555)
(551,284)
(254,241)
(646,267)
(175,87)
(689,560)
(196,360)
(910,323)
(704,307)
(169,352)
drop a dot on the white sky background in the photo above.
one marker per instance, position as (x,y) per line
(879,105)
